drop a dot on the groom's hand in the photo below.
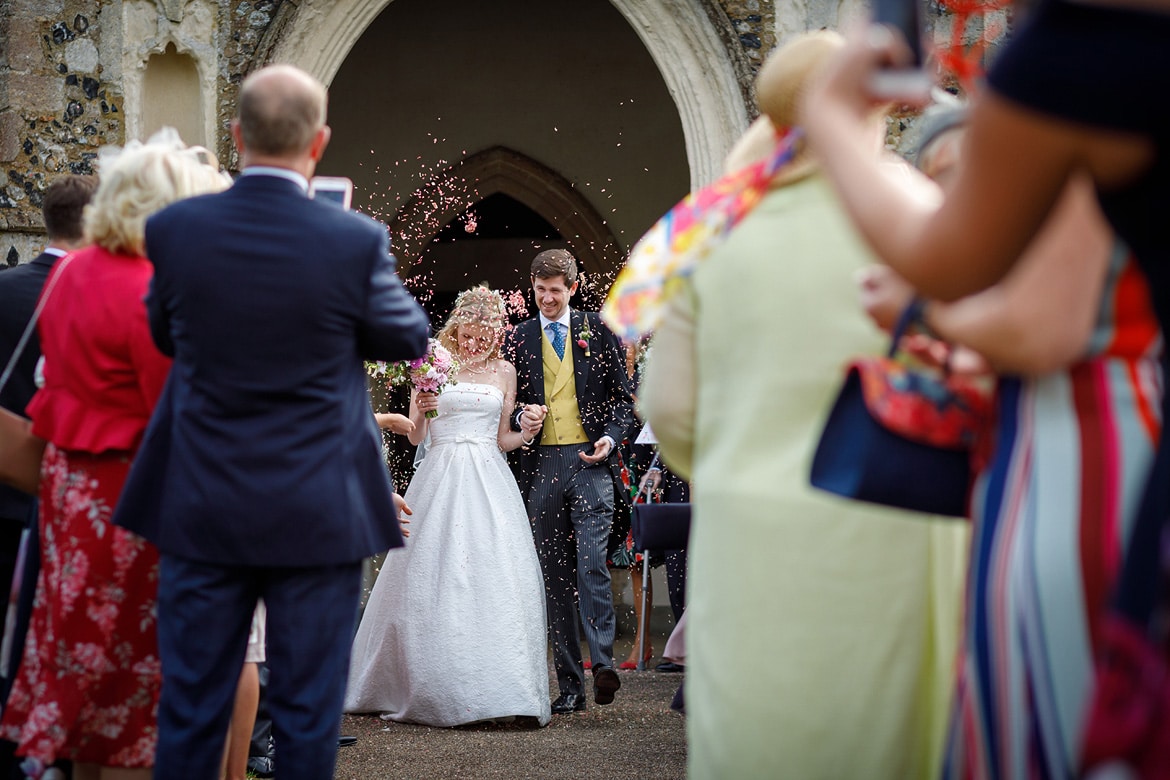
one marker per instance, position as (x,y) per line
(601,449)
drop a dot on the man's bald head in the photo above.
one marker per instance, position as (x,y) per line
(281,108)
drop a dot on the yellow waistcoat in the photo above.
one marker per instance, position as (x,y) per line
(563,423)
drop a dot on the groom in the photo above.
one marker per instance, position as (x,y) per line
(575,406)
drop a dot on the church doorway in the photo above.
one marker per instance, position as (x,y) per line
(482,133)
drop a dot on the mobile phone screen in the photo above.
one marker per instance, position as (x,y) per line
(332,189)
(333,196)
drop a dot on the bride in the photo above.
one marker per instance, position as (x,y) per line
(454,630)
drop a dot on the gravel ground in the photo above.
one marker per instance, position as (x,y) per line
(637,736)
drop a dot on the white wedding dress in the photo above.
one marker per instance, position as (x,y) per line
(454,630)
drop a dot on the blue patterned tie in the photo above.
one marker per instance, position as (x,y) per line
(557,334)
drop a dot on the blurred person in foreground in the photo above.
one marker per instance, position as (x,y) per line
(88,684)
(1073,338)
(1067,98)
(261,473)
(830,653)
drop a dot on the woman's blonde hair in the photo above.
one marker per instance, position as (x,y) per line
(477,306)
(140,179)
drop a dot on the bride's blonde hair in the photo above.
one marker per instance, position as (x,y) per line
(477,306)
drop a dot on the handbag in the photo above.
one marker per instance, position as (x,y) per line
(661,526)
(1129,720)
(20,453)
(901,435)
(21,450)
(1127,726)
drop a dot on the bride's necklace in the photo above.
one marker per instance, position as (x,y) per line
(484,368)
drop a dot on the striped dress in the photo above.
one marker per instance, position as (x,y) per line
(1052,514)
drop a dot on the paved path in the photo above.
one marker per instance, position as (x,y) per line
(635,737)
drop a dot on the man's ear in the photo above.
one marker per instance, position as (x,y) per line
(237,136)
(573,289)
(320,141)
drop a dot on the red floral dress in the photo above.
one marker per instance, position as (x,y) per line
(88,685)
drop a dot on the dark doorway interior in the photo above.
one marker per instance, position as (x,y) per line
(492,241)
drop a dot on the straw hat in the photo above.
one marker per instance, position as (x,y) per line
(780,86)
(786,74)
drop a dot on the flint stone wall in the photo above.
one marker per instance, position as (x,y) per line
(71,76)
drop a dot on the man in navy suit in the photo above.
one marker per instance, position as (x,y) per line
(570,364)
(261,472)
(20,288)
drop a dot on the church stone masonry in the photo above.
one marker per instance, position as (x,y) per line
(79,74)
(68,68)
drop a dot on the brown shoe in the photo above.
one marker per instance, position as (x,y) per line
(605,684)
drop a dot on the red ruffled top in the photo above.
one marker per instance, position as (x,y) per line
(103,373)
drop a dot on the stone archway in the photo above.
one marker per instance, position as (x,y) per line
(702,74)
(498,170)
(178,43)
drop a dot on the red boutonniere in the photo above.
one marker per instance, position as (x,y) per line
(583,337)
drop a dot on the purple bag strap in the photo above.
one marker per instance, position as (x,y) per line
(910,315)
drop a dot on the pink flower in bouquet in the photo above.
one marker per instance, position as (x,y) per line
(427,374)
(433,371)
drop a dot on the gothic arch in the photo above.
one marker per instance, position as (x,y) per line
(499,170)
(688,40)
(181,41)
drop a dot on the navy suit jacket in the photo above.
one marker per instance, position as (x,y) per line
(603,387)
(263,448)
(20,287)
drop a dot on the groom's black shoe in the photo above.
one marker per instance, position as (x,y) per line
(605,684)
(569,702)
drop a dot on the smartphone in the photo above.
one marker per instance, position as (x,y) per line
(910,83)
(333,189)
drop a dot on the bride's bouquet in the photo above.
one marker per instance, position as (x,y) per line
(427,374)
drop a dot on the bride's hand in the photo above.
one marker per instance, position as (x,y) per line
(427,402)
(532,419)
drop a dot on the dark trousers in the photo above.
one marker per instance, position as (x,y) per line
(9,761)
(205,612)
(27,589)
(11,529)
(572,510)
(676,581)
